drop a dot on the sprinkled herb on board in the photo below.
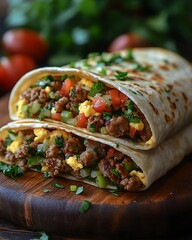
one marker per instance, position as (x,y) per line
(114,192)
(46,190)
(57,185)
(11,171)
(85,206)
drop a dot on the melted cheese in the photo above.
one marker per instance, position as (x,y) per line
(73,163)
(86,82)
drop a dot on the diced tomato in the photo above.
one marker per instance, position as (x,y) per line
(114,93)
(111,152)
(68,84)
(132,132)
(117,97)
(56,116)
(82,120)
(100,105)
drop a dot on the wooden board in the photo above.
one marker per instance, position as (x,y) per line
(163,210)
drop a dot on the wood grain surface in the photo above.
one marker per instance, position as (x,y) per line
(163,211)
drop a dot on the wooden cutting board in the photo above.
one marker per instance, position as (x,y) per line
(162,210)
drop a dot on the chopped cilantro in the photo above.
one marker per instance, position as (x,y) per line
(129,56)
(141,68)
(57,185)
(114,192)
(59,141)
(115,172)
(123,76)
(47,175)
(11,171)
(107,116)
(46,190)
(133,119)
(85,206)
(92,128)
(97,88)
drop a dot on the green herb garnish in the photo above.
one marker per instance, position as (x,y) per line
(141,68)
(115,172)
(97,88)
(11,171)
(59,141)
(85,206)
(57,185)
(114,192)
(92,128)
(46,190)
(8,141)
(129,56)
(47,175)
(107,116)
(123,76)
(34,160)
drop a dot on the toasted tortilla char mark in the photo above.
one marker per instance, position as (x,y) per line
(167,118)
(154,109)
(186,100)
(164,67)
(157,77)
(172,104)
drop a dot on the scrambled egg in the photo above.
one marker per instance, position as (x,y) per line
(86,82)
(16,143)
(41,134)
(139,126)
(20,112)
(48,89)
(73,163)
(140,175)
(87,108)
(56,133)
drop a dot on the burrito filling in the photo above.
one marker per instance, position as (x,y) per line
(56,152)
(85,104)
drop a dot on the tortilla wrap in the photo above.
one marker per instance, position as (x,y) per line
(153,163)
(157,81)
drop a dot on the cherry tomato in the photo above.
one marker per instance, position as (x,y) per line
(66,87)
(82,120)
(127,40)
(24,41)
(13,68)
(99,104)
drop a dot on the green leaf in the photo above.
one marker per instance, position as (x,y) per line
(85,206)
(97,88)
(57,185)
(11,171)
(123,76)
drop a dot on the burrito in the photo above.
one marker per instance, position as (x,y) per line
(54,150)
(137,97)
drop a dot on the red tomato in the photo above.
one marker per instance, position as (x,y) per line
(24,41)
(111,152)
(99,104)
(11,69)
(127,40)
(82,120)
(117,97)
(66,87)
(56,116)
(132,132)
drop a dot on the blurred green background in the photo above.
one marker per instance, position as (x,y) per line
(74,28)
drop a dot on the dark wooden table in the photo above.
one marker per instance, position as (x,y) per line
(164,210)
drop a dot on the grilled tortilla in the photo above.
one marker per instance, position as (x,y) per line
(136,97)
(54,150)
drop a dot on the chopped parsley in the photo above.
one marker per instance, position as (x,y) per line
(97,88)
(85,206)
(46,190)
(107,116)
(10,171)
(57,185)
(123,76)
(129,56)
(59,141)
(141,68)
(45,81)
(92,128)
(114,192)
(115,172)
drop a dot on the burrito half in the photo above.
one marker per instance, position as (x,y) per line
(138,97)
(54,150)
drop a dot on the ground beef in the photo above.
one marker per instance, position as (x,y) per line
(10,157)
(31,95)
(132,183)
(56,85)
(43,96)
(145,134)
(22,152)
(95,121)
(59,105)
(77,96)
(94,152)
(52,152)
(28,135)
(54,165)
(118,126)
(2,148)
(72,146)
